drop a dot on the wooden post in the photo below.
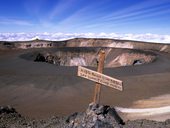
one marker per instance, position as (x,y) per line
(100,67)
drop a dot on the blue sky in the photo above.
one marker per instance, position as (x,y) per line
(84,16)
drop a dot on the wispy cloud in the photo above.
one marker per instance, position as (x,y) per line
(71,16)
(60,8)
(63,36)
(139,11)
(87,16)
(139,7)
(8,21)
(75,17)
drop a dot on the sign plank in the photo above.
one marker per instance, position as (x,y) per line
(100,78)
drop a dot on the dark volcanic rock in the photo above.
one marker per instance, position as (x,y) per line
(96,116)
(7,109)
(49,59)
(146,124)
(10,118)
(40,58)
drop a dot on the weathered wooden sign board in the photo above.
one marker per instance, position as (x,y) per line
(100,78)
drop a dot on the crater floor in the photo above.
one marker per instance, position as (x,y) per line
(41,90)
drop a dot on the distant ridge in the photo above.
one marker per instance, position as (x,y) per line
(85,42)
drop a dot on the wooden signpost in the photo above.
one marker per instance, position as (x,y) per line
(100,78)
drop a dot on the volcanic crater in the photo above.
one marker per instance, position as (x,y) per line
(88,56)
(39,78)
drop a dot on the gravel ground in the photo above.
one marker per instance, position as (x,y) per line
(10,118)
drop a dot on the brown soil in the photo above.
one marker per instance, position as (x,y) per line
(41,90)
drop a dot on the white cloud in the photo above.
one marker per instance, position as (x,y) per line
(63,36)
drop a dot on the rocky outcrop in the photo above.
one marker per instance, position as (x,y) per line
(40,58)
(7,110)
(96,116)
(10,118)
(85,57)
(127,59)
